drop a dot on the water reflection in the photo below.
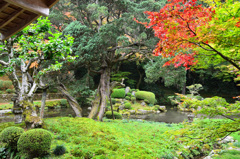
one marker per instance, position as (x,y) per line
(171,116)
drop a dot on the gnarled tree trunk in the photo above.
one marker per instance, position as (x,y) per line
(71,100)
(102,95)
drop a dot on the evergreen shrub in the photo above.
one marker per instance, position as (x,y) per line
(11,135)
(146,95)
(64,103)
(10,90)
(59,150)
(5,85)
(133,99)
(127,106)
(129,94)
(35,143)
(116,115)
(127,98)
(118,93)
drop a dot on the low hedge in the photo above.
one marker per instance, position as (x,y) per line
(144,95)
(118,93)
(54,103)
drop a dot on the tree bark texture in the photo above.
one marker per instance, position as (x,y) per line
(43,102)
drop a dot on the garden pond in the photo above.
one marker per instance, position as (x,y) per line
(172,115)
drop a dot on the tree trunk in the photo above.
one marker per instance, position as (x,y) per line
(44,97)
(104,91)
(71,100)
(102,95)
(95,104)
(140,78)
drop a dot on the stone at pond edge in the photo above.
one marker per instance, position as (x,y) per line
(127,90)
(143,104)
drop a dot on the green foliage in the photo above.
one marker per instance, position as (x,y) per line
(127,106)
(133,99)
(116,115)
(171,75)
(127,98)
(119,76)
(64,103)
(129,94)
(118,93)
(194,89)
(4,85)
(146,101)
(35,143)
(227,154)
(146,95)
(113,100)
(10,90)
(11,135)
(59,150)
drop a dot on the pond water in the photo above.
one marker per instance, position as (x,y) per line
(171,116)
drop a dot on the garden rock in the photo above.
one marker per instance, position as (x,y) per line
(121,107)
(132,111)
(127,90)
(226,140)
(143,104)
(162,108)
(133,93)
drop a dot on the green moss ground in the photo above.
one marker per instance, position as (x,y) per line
(111,139)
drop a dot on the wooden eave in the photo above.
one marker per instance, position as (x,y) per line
(17,14)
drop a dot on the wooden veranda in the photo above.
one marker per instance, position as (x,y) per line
(17,14)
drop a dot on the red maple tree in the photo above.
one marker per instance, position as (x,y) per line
(176,26)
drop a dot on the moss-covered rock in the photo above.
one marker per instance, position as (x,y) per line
(144,95)
(117,115)
(34,143)
(118,93)
(11,135)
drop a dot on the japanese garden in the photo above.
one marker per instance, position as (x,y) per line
(120,79)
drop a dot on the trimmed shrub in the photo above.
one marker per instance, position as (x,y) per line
(133,99)
(129,94)
(1,92)
(59,150)
(127,98)
(127,106)
(10,90)
(145,95)
(35,143)
(64,103)
(11,135)
(118,93)
(146,101)
(116,115)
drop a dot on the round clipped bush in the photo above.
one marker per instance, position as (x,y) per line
(59,150)
(127,98)
(129,94)
(116,115)
(146,95)
(35,143)
(11,135)
(127,106)
(146,101)
(133,99)
(118,93)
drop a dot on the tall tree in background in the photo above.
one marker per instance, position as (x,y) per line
(32,56)
(106,34)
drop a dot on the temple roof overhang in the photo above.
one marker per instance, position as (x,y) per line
(17,14)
